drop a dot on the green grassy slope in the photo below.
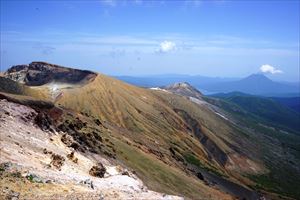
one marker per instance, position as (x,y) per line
(267,110)
(275,128)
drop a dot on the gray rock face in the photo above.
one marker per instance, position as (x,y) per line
(40,73)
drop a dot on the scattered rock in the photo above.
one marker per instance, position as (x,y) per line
(13,195)
(75,160)
(7,193)
(98,170)
(88,182)
(97,122)
(34,178)
(5,166)
(48,181)
(125,173)
(45,151)
(72,157)
(57,161)
(69,141)
(43,121)
(200,176)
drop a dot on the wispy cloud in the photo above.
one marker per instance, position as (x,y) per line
(116,53)
(195,3)
(111,3)
(270,69)
(166,46)
(214,45)
(45,49)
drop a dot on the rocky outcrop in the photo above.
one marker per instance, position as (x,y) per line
(57,161)
(98,170)
(184,89)
(40,73)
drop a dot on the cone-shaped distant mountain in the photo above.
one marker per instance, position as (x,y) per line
(257,84)
(174,139)
(254,84)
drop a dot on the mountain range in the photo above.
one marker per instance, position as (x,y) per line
(256,84)
(96,135)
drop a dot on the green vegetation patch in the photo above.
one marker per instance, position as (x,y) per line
(157,175)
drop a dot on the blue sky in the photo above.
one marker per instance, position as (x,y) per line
(212,38)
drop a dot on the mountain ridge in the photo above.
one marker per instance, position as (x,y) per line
(257,84)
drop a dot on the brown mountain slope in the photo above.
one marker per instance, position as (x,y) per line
(170,141)
(158,115)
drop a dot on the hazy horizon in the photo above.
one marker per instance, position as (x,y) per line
(135,38)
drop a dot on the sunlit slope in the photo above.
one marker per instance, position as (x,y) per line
(156,173)
(156,119)
(12,87)
(176,137)
(120,103)
(147,119)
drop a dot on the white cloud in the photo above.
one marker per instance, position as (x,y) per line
(166,46)
(270,69)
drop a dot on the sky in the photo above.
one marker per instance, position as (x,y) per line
(139,37)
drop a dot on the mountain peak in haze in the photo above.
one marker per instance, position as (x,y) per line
(257,77)
(256,84)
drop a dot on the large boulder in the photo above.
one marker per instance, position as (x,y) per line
(98,170)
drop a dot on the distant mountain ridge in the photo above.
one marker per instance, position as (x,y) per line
(257,84)
(167,79)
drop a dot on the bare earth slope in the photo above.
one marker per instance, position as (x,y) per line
(27,154)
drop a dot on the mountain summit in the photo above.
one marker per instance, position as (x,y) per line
(257,84)
(257,77)
(40,73)
(184,89)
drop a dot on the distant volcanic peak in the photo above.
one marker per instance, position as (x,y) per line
(256,77)
(40,73)
(180,85)
(183,84)
(185,89)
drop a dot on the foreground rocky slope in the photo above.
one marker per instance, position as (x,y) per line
(172,138)
(37,162)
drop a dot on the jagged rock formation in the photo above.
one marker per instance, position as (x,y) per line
(40,73)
